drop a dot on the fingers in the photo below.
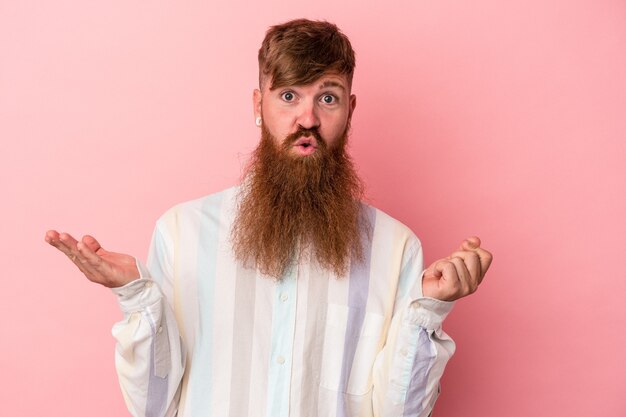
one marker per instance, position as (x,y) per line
(445,269)
(86,253)
(457,277)
(62,241)
(66,244)
(472,243)
(441,281)
(91,262)
(485,259)
(471,261)
(95,255)
(449,275)
(459,274)
(80,253)
(110,269)
(97,269)
(446,280)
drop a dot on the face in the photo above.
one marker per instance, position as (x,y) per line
(325,105)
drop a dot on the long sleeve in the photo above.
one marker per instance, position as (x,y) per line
(149,357)
(408,369)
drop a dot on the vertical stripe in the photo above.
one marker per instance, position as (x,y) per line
(357,301)
(261,343)
(296,386)
(243,327)
(184,229)
(422,364)
(411,273)
(160,268)
(157,386)
(315,330)
(224,326)
(201,378)
(281,357)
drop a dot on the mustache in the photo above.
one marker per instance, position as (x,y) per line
(304,132)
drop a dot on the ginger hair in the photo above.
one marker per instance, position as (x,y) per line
(300,51)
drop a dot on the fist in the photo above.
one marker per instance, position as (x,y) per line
(459,274)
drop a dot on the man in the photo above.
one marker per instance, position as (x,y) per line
(285,296)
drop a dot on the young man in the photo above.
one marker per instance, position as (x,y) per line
(285,296)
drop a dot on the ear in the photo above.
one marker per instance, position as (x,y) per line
(256,102)
(352,104)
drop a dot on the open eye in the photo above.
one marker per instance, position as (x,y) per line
(328,99)
(288,96)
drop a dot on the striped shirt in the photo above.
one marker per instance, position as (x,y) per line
(204,336)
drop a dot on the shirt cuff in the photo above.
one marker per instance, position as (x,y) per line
(428,313)
(138,294)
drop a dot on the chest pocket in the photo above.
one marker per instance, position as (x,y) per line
(352,340)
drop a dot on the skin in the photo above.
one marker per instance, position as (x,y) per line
(459,274)
(110,269)
(327,105)
(285,109)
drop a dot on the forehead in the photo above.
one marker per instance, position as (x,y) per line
(338,79)
(327,80)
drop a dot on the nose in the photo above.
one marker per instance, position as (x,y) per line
(308,118)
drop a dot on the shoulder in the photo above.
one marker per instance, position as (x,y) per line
(386,228)
(214,205)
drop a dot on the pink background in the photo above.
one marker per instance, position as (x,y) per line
(502,119)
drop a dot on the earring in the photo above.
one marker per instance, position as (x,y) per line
(258,121)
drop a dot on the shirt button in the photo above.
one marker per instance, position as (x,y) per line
(160,329)
(284,297)
(404,352)
(148,284)
(280,360)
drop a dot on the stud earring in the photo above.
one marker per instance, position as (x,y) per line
(258,121)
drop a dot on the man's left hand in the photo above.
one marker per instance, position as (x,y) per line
(459,274)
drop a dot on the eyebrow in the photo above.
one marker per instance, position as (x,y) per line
(329,83)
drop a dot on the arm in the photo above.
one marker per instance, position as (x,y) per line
(407,374)
(149,354)
(408,369)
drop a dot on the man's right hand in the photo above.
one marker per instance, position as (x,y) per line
(103,267)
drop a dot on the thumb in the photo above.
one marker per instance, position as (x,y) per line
(471,243)
(434,270)
(91,243)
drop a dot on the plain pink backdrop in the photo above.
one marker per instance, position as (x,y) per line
(502,119)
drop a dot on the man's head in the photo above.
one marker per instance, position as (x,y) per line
(305,80)
(301,194)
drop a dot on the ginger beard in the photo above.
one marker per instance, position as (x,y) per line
(291,207)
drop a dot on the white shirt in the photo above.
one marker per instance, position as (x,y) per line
(204,336)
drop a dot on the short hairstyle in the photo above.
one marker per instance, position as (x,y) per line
(301,51)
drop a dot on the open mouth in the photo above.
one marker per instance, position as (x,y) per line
(306,143)
(305,146)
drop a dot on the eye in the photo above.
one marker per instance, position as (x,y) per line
(329,99)
(288,96)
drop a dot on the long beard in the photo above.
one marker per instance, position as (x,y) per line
(292,206)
